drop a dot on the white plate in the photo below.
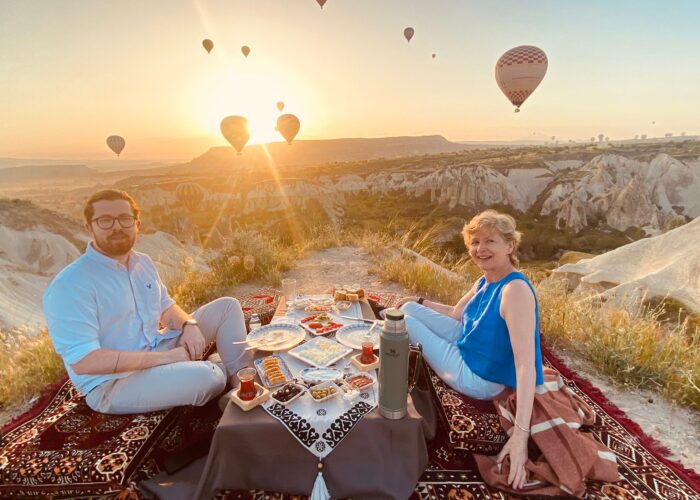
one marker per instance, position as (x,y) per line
(320,352)
(320,303)
(298,304)
(269,333)
(331,319)
(325,385)
(353,335)
(320,374)
(343,305)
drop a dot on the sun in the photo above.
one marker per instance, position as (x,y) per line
(254,97)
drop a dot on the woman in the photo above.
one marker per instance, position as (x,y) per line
(491,338)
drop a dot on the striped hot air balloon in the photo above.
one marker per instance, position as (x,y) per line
(190,194)
(116,143)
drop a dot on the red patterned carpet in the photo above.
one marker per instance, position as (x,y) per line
(62,449)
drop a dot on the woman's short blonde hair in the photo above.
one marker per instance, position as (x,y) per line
(495,221)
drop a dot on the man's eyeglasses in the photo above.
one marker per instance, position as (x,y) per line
(107,221)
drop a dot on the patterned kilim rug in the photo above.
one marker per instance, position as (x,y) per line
(62,449)
(452,473)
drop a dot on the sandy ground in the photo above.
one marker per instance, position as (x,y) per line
(676,428)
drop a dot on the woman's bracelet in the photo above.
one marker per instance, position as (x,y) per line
(521,427)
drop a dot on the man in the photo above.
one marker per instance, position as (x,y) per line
(104,310)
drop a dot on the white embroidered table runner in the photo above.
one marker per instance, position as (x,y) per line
(320,426)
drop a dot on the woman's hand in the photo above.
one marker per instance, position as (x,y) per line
(516,449)
(404,300)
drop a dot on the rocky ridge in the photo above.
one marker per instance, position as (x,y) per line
(609,189)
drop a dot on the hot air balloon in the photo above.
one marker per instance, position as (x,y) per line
(554,137)
(190,194)
(116,143)
(246,50)
(321,2)
(235,130)
(408,33)
(288,125)
(519,71)
(280,105)
(208,45)
(434,56)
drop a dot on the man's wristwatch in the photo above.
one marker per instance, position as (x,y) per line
(420,300)
(190,321)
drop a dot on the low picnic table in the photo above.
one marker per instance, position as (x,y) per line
(379,458)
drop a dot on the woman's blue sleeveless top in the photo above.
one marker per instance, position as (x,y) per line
(485,343)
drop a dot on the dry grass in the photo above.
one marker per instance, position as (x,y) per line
(29,365)
(637,346)
(248,256)
(634,344)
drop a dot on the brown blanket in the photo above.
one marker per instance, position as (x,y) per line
(561,457)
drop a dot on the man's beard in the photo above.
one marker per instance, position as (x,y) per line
(116,244)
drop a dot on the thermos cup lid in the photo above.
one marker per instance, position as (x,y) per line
(393,314)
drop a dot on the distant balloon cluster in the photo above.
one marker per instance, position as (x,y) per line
(519,71)
(235,129)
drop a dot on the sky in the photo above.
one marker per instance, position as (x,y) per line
(74,72)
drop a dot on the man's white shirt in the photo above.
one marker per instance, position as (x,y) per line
(96,302)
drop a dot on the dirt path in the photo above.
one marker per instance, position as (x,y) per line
(676,428)
(320,270)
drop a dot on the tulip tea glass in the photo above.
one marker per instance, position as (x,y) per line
(247,390)
(367,356)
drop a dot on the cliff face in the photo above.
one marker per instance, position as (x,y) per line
(626,193)
(609,189)
(36,243)
(623,193)
(664,265)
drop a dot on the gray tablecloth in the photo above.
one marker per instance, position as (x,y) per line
(379,458)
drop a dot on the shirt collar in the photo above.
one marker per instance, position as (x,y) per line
(95,255)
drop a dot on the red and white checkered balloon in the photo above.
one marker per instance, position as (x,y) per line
(519,71)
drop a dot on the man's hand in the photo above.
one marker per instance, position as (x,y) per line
(174,355)
(193,340)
